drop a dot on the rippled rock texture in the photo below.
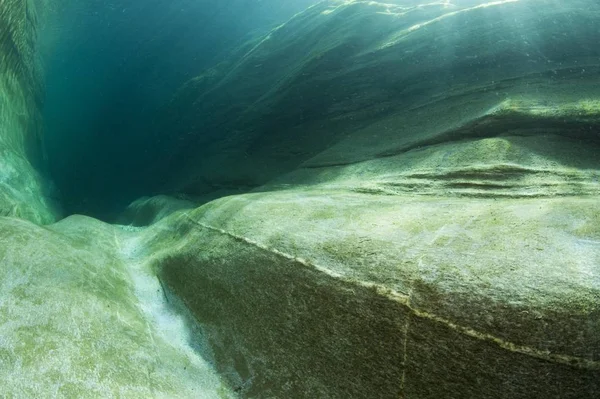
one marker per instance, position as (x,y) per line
(422,221)
(361,80)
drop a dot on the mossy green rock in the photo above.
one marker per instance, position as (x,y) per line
(326,293)
(79,319)
(333,294)
(428,226)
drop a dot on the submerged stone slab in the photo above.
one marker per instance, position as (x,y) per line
(364,79)
(436,235)
(310,292)
(317,293)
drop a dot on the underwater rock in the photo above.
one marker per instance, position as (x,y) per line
(371,79)
(311,292)
(428,226)
(24,192)
(149,210)
(318,292)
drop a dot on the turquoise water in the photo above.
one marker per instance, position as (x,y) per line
(111,65)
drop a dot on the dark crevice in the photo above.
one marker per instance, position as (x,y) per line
(111,67)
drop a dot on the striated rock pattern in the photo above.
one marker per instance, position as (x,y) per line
(312,292)
(80,318)
(361,80)
(23,192)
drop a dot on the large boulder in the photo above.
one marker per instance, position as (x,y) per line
(399,76)
(24,192)
(426,219)
(321,292)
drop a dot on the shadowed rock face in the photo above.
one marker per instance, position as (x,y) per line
(354,295)
(23,192)
(424,222)
(363,80)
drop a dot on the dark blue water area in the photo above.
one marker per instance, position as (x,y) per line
(110,66)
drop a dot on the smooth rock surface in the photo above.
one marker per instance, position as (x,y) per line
(80,316)
(362,295)
(439,222)
(149,210)
(363,79)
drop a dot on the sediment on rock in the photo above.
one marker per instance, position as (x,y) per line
(397,311)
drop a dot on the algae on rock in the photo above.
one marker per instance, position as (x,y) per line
(74,324)
(337,294)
